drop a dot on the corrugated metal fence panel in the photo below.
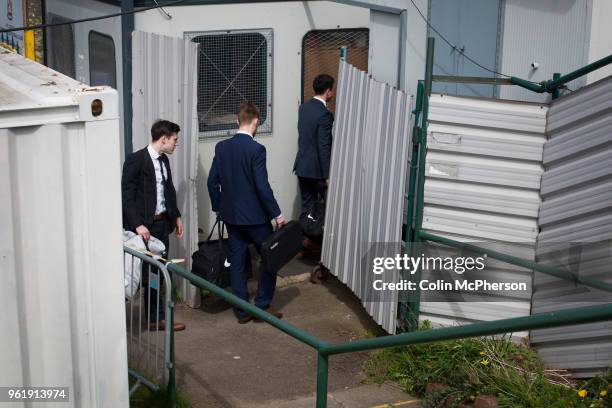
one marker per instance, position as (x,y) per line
(164,86)
(577,207)
(553,33)
(483,174)
(61,263)
(367,181)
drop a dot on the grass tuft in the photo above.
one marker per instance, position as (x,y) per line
(497,366)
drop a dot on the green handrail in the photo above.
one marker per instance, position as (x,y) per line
(588,314)
(551,86)
(566,317)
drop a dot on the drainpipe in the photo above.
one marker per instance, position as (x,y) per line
(127,27)
(403,33)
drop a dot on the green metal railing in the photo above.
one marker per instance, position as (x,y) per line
(415,234)
(324,350)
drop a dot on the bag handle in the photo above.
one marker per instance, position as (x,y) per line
(220,232)
(212,230)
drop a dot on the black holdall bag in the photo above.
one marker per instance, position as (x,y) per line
(212,260)
(282,246)
(312,222)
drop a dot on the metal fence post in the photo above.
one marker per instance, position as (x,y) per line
(412,177)
(414,305)
(556,93)
(171,369)
(322,376)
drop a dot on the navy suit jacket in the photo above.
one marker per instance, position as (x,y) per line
(238,182)
(315,124)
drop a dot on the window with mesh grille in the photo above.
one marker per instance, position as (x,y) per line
(321,55)
(233,66)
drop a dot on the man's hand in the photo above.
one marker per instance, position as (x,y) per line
(280,221)
(327,182)
(143,232)
(179,228)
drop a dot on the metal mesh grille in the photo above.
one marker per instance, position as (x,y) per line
(233,66)
(321,54)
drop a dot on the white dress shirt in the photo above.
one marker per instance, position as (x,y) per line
(160,206)
(244,132)
(322,100)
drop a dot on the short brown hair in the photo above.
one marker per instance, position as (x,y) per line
(248,111)
(163,128)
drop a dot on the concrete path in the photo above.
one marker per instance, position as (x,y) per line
(221,363)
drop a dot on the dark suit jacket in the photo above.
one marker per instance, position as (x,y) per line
(139,191)
(238,182)
(315,124)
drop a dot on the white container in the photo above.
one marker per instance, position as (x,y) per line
(61,271)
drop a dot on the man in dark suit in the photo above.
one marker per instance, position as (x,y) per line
(241,196)
(149,201)
(315,123)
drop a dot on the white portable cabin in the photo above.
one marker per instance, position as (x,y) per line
(61,261)
(281,25)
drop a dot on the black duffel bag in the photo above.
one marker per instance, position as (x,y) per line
(312,222)
(212,260)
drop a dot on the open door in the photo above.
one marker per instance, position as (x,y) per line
(164,85)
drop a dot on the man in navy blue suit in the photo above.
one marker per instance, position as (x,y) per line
(315,123)
(242,197)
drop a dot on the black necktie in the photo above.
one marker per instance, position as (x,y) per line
(161,168)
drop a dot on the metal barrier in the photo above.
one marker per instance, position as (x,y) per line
(150,350)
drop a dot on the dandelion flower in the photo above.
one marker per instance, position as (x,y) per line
(485,362)
(603,393)
(482,353)
(582,393)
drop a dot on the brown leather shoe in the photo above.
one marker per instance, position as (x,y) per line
(274,313)
(162,326)
(245,319)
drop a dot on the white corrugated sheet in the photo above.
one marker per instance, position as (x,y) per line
(577,208)
(370,150)
(553,33)
(165,87)
(61,259)
(483,174)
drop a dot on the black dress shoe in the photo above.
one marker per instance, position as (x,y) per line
(245,319)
